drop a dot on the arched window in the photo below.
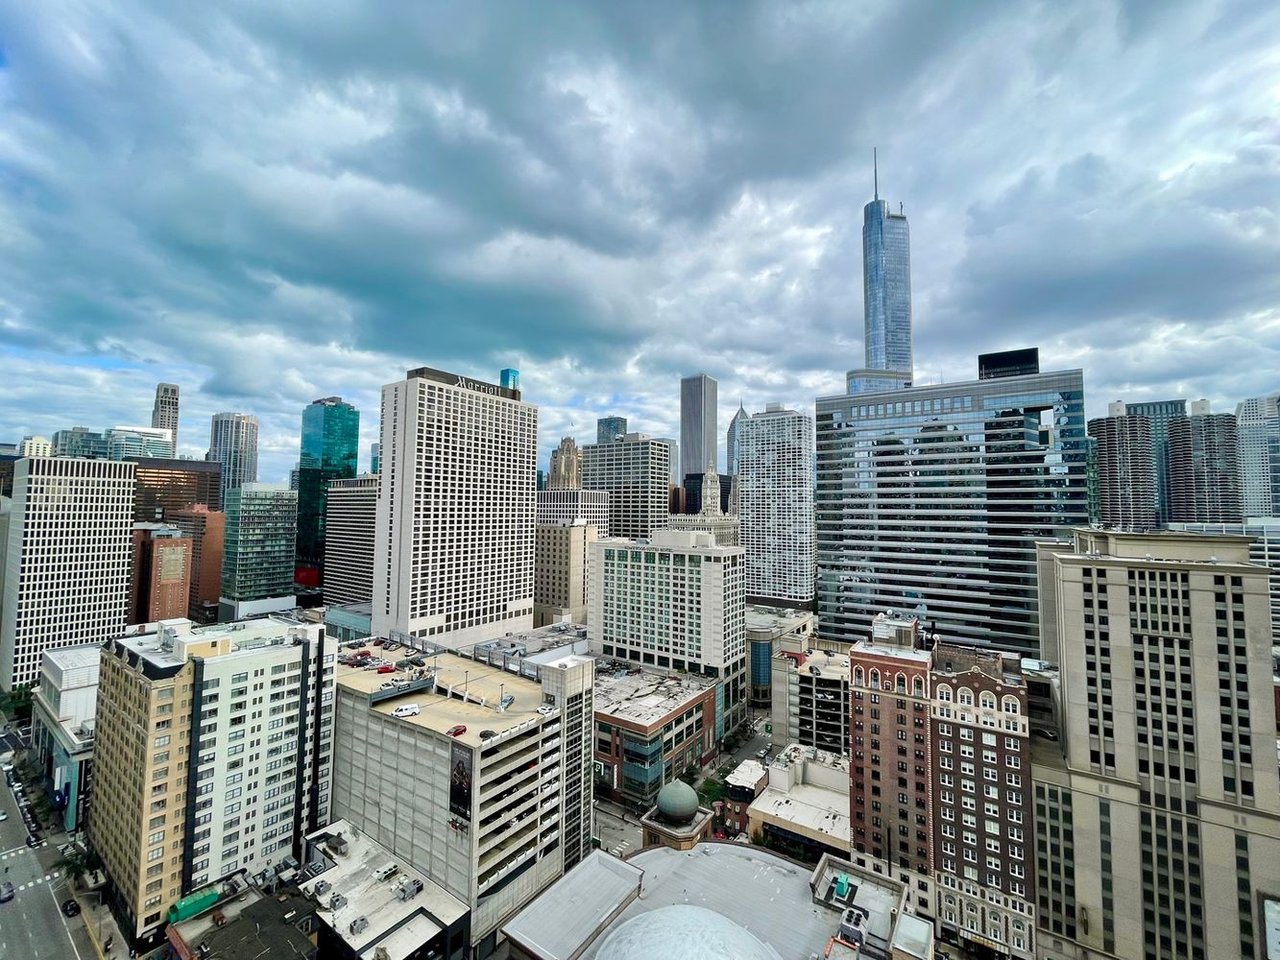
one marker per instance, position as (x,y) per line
(987,700)
(1011,705)
(917,687)
(901,683)
(875,679)
(943,692)
(858,676)
(965,697)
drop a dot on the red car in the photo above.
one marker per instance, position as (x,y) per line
(457,731)
(385,668)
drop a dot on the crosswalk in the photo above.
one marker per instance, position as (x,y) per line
(37,882)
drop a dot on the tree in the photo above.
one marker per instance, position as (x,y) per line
(710,791)
(75,863)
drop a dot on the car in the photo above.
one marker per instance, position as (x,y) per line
(546,710)
(417,661)
(391,645)
(406,710)
(7,768)
(70,908)
(456,730)
(6,892)
(488,734)
(386,668)
(35,840)
(379,642)
(3,816)
(762,754)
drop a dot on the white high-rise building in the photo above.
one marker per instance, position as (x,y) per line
(233,442)
(126,442)
(775,504)
(635,472)
(1258,424)
(66,541)
(350,514)
(675,603)
(698,433)
(35,447)
(164,413)
(731,439)
(454,542)
(558,507)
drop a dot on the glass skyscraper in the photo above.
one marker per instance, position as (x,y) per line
(1160,412)
(930,500)
(886,300)
(330,451)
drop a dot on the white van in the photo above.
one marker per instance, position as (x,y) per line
(406,710)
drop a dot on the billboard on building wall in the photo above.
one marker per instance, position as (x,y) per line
(460,781)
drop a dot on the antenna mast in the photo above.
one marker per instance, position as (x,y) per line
(875,171)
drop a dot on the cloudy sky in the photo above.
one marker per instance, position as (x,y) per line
(273,202)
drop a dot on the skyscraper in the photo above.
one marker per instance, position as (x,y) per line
(775,504)
(160,585)
(1258,423)
(258,551)
(350,514)
(330,451)
(64,559)
(1125,469)
(565,471)
(1204,467)
(930,501)
(166,486)
(125,443)
(164,412)
(635,472)
(609,429)
(731,440)
(373,457)
(886,299)
(80,442)
(207,530)
(1160,412)
(454,542)
(699,435)
(233,442)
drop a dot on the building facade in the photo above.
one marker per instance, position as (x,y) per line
(609,429)
(930,501)
(126,443)
(1125,470)
(731,440)
(1160,412)
(233,443)
(699,433)
(565,471)
(217,743)
(1264,551)
(1158,812)
(634,472)
(258,551)
(160,584)
(64,572)
(164,412)
(207,530)
(674,603)
(1204,467)
(351,509)
(454,541)
(886,288)
(330,450)
(63,725)
(166,486)
(560,572)
(35,447)
(574,506)
(80,442)
(775,503)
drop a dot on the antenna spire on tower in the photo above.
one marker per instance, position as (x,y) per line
(875,171)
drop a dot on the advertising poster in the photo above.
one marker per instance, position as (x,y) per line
(460,781)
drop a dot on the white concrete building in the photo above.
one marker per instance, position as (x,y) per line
(65,547)
(674,603)
(775,504)
(635,471)
(1258,423)
(454,542)
(63,714)
(572,506)
(350,513)
(125,441)
(477,777)
(35,447)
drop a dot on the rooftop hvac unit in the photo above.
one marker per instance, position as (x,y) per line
(337,902)
(852,929)
(338,844)
(359,925)
(409,888)
(322,886)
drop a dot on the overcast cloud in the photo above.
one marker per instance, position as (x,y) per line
(270,203)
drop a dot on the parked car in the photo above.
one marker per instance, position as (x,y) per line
(3,816)
(456,731)
(70,908)
(6,892)
(418,661)
(386,668)
(406,710)
(35,840)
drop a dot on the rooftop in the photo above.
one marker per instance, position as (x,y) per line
(798,752)
(775,620)
(398,925)
(75,658)
(647,698)
(252,925)
(461,691)
(169,643)
(746,774)
(812,808)
(525,651)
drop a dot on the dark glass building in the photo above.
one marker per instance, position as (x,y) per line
(167,486)
(330,450)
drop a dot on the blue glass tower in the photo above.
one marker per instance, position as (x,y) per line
(330,449)
(886,297)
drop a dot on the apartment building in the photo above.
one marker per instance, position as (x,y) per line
(454,541)
(560,572)
(676,602)
(982,802)
(1158,811)
(464,770)
(64,559)
(561,506)
(635,470)
(216,742)
(160,580)
(206,529)
(350,515)
(258,551)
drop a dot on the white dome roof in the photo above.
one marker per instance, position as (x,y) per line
(683,932)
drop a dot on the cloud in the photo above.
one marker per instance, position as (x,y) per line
(272,203)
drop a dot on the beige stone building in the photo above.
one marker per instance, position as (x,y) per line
(1158,803)
(560,572)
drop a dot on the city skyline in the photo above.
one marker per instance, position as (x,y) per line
(604,217)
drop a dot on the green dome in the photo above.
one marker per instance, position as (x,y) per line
(677,802)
